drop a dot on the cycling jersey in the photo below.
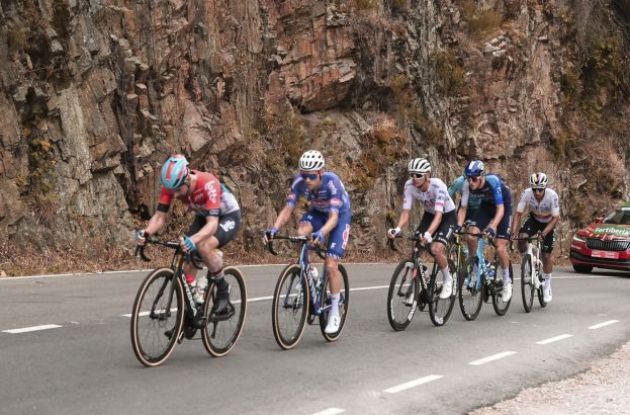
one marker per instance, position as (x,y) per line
(435,199)
(209,197)
(330,197)
(493,193)
(542,211)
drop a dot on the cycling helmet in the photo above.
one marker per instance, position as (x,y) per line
(538,180)
(174,172)
(474,169)
(419,165)
(312,160)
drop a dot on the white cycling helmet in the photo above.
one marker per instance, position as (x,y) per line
(419,165)
(312,160)
(538,180)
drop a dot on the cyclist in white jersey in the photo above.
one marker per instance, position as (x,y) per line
(439,217)
(544,212)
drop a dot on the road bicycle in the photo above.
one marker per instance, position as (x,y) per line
(412,287)
(164,311)
(483,280)
(532,280)
(299,298)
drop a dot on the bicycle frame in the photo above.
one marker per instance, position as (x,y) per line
(418,266)
(534,251)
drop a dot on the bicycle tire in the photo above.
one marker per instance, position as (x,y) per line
(528,287)
(501,307)
(440,309)
(158,326)
(470,299)
(541,293)
(344,304)
(398,293)
(288,338)
(220,335)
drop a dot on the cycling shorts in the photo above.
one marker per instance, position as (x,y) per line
(485,213)
(532,227)
(226,231)
(444,233)
(338,237)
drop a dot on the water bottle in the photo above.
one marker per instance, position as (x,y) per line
(314,274)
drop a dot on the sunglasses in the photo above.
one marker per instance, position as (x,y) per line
(309,176)
(538,190)
(473,179)
(417,175)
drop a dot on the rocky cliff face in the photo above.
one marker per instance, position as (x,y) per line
(95,94)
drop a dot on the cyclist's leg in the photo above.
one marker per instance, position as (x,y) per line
(189,270)
(337,243)
(310,222)
(442,238)
(503,236)
(547,248)
(529,228)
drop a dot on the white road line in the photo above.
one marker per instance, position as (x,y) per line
(488,359)
(555,339)
(412,384)
(604,324)
(34,328)
(330,411)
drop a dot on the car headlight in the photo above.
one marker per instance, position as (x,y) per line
(578,239)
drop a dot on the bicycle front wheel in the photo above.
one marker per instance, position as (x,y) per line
(440,308)
(221,332)
(289,307)
(402,297)
(157,317)
(344,298)
(470,298)
(500,306)
(528,287)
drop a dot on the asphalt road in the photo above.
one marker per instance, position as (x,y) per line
(83,362)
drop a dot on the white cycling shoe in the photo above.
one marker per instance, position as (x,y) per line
(334,321)
(506,293)
(547,293)
(447,290)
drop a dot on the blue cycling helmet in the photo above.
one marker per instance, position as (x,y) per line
(474,169)
(174,172)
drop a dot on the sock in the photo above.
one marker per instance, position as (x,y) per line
(334,300)
(446,275)
(506,275)
(220,281)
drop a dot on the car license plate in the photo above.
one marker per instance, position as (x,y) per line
(605,254)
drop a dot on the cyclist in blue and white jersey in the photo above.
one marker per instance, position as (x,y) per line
(493,215)
(439,216)
(544,212)
(329,215)
(473,201)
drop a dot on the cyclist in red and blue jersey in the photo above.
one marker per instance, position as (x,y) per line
(329,215)
(493,214)
(217,219)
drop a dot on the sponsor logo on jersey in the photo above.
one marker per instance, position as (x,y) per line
(228,225)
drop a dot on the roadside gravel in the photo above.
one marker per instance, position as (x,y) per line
(603,389)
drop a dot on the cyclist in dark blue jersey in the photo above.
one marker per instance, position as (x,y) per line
(493,214)
(329,215)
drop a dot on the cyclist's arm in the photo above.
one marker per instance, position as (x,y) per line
(516,221)
(333,219)
(550,225)
(283,216)
(497,217)
(156,222)
(435,223)
(404,218)
(209,229)
(463,205)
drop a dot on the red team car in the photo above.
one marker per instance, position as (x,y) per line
(603,244)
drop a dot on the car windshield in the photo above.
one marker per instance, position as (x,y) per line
(619,217)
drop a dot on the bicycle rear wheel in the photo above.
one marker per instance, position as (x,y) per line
(440,309)
(470,298)
(289,307)
(402,297)
(344,297)
(221,333)
(528,287)
(157,317)
(500,306)
(541,291)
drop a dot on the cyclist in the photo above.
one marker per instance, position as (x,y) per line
(217,219)
(544,212)
(492,215)
(329,215)
(439,216)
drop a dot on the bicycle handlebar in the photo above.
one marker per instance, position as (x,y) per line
(139,253)
(295,239)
